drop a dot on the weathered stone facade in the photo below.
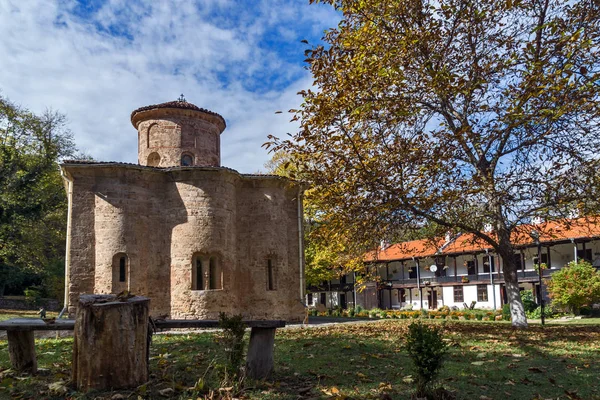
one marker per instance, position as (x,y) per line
(197,239)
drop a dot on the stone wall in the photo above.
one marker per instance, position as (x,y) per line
(164,135)
(162,219)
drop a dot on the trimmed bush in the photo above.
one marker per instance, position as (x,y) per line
(427,350)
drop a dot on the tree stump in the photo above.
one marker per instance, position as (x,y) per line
(110,347)
(259,360)
(21,350)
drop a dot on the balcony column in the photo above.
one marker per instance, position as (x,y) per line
(455,270)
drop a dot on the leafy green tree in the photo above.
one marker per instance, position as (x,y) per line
(460,113)
(575,286)
(32,197)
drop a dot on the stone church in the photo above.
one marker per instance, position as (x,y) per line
(195,237)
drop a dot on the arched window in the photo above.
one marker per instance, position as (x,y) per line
(197,273)
(153,136)
(120,267)
(214,274)
(187,160)
(153,160)
(206,273)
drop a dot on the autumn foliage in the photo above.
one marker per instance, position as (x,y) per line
(457,113)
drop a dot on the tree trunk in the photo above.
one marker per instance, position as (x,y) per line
(259,360)
(110,347)
(506,251)
(21,351)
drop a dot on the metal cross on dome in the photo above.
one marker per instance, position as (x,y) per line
(182,99)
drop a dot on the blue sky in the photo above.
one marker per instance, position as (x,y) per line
(96,61)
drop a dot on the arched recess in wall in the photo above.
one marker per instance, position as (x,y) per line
(120,272)
(153,159)
(187,160)
(271,272)
(207,273)
(153,136)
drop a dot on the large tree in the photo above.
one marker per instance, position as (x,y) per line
(32,198)
(458,112)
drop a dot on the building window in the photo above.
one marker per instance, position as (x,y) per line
(213,275)
(187,160)
(402,295)
(545,259)
(471,270)
(412,272)
(120,267)
(198,275)
(518,261)
(323,298)
(585,255)
(270,275)
(206,273)
(482,293)
(458,294)
(488,262)
(309,300)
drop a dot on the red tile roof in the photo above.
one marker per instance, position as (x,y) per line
(406,250)
(177,104)
(550,232)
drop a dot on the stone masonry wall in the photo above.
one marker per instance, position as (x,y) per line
(161,219)
(172,136)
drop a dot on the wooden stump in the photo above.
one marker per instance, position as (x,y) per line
(259,361)
(21,350)
(110,347)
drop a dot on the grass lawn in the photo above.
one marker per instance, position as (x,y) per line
(363,360)
(8,314)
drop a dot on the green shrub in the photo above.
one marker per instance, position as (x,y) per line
(33,295)
(506,312)
(537,313)
(575,286)
(232,340)
(528,303)
(424,313)
(479,316)
(426,348)
(358,309)
(351,312)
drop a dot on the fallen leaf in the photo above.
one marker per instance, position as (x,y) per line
(168,392)
(478,362)
(58,387)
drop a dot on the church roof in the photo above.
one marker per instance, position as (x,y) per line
(181,104)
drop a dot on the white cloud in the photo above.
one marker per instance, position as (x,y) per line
(98,67)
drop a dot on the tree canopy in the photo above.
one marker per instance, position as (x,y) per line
(457,112)
(32,198)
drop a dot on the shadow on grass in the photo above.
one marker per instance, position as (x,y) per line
(359,361)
